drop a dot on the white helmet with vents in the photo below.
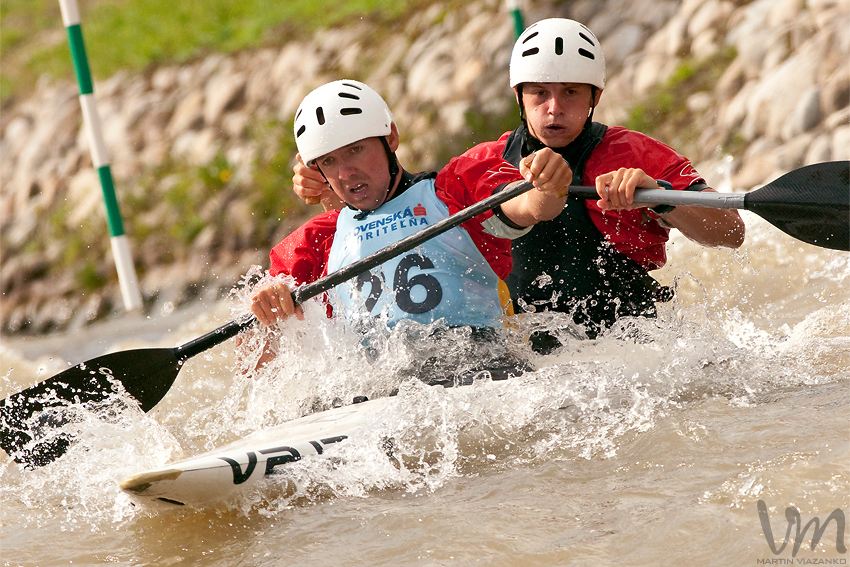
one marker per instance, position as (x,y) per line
(557,50)
(337,114)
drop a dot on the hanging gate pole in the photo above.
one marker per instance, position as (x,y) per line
(120,246)
(513,7)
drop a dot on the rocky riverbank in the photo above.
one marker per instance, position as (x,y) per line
(201,153)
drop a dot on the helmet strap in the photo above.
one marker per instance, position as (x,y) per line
(323,175)
(393,164)
(593,89)
(518,90)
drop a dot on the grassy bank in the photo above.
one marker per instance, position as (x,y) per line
(175,211)
(135,34)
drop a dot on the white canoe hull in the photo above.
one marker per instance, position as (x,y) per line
(217,474)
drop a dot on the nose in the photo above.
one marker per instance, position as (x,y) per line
(346,169)
(554,105)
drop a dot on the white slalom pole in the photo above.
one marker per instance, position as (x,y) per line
(120,245)
(514,7)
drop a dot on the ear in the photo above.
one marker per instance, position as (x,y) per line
(516,96)
(393,138)
(597,97)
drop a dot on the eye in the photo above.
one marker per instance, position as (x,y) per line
(327,161)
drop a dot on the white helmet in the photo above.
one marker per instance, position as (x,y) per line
(337,114)
(557,50)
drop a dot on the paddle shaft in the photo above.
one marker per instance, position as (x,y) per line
(310,290)
(147,374)
(676,198)
(818,191)
(320,286)
(811,203)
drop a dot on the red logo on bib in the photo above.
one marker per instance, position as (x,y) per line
(419,210)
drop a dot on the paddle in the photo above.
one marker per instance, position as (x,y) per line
(811,204)
(147,374)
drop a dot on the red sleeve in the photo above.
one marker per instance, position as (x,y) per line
(468,179)
(635,233)
(304,253)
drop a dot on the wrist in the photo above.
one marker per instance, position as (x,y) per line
(663,209)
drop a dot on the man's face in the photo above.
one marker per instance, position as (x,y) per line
(358,173)
(556,112)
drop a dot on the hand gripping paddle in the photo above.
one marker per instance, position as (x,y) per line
(31,436)
(811,203)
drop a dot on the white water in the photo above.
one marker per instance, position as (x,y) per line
(649,446)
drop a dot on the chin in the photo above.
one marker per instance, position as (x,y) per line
(368,205)
(557,141)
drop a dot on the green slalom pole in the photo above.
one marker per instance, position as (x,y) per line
(516,13)
(120,245)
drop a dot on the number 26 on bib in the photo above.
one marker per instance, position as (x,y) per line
(415,294)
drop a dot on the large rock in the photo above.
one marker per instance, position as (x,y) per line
(223,92)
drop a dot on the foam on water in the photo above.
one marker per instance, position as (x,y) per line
(743,334)
(581,403)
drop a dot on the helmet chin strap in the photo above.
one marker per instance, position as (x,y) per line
(393,163)
(592,106)
(518,90)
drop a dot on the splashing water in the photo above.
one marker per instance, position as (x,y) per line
(751,341)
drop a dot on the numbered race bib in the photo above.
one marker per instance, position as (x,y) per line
(446,278)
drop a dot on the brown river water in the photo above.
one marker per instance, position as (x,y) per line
(652,445)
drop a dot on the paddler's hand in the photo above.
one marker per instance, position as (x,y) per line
(274,303)
(551,176)
(616,189)
(309,184)
(547,171)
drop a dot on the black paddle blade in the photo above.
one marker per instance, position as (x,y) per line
(811,204)
(31,420)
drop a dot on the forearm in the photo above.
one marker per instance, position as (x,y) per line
(248,360)
(551,176)
(268,354)
(534,206)
(707,226)
(704,225)
(330,201)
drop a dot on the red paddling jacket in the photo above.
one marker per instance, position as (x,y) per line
(587,262)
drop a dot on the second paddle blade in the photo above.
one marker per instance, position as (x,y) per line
(811,204)
(32,421)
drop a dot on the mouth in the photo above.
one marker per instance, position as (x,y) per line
(357,189)
(554,128)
